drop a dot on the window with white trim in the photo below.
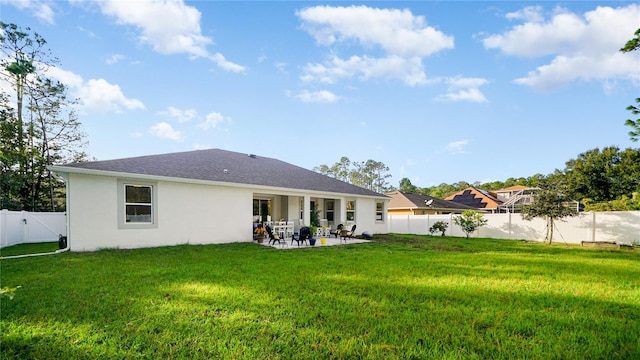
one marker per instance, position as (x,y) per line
(137,204)
(379,211)
(329,206)
(351,210)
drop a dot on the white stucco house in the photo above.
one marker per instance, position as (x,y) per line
(203,197)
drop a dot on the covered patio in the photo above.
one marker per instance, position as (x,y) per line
(297,210)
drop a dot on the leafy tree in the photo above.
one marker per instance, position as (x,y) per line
(406,186)
(370,175)
(550,204)
(443,190)
(469,221)
(624,203)
(633,45)
(634,134)
(340,170)
(51,134)
(440,226)
(602,175)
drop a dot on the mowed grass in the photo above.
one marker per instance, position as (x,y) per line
(399,297)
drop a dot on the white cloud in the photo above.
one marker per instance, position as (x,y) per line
(115,58)
(98,95)
(464,89)
(456,147)
(405,39)
(323,96)
(222,62)
(88,32)
(409,70)
(40,9)
(396,31)
(472,95)
(211,121)
(164,130)
(530,14)
(584,46)
(169,27)
(180,115)
(282,67)
(66,77)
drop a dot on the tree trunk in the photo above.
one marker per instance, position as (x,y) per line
(550,229)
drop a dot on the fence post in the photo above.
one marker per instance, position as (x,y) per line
(451,223)
(593,227)
(3,228)
(25,227)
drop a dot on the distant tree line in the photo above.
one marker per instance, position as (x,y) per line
(602,180)
(607,179)
(370,174)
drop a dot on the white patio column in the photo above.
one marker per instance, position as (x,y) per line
(342,212)
(307,211)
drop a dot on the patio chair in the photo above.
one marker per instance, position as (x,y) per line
(346,234)
(337,231)
(303,236)
(273,238)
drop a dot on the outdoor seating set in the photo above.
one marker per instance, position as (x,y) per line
(283,229)
(304,236)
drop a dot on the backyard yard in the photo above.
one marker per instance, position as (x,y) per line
(397,297)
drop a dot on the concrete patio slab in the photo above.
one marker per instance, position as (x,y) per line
(329,241)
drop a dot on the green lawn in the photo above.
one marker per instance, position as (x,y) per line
(401,296)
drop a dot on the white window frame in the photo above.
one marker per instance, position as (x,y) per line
(380,214)
(122,205)
(352,211)
(330,210)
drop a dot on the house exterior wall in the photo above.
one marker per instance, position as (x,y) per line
(366,217)
(186,213)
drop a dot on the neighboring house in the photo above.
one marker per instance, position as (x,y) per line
(203,197)
(476,198)
(515,197)
(510,199)
(405,203)
(510,192)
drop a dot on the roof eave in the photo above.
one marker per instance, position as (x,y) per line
(60,169)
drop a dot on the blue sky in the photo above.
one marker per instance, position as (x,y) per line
(438,91)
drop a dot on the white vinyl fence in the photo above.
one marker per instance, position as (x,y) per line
(618,226)
(18,227)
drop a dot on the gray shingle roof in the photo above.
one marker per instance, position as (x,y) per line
(418,200)
(224,166)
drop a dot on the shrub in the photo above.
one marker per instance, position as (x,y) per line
(439,226)
(469,221)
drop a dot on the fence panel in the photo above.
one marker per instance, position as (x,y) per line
(18,227)
(619,226)
(622,227)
